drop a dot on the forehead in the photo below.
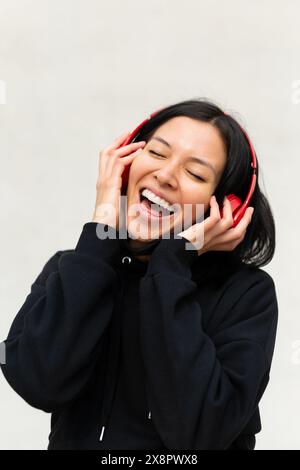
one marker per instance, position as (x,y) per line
(194,138)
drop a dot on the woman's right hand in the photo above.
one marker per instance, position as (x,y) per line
(112,161)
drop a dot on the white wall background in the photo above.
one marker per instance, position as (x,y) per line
(76,74)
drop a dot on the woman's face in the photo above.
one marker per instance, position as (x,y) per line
(173,169)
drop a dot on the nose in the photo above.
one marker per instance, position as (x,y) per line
(165,176)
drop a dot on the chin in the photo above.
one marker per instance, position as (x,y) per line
(142,232)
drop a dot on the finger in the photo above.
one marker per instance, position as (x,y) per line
(126,149)
(118,141)
(214,215)
(121,152)
(125,160)
(226,240)
(239,230)
(251,210)
(227,213)
(246,219)
(113,154)
(225,223)
(105,152)
(128,158)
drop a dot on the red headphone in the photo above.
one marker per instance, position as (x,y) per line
(237,206)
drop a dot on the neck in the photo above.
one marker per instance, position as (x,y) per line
(139,245)
(144,258)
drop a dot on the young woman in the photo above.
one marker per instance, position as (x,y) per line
(138,342)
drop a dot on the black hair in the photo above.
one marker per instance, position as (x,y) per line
(258,246)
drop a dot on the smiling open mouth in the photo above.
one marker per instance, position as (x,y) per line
(152,207)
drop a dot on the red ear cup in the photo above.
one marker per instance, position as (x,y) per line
(236,204)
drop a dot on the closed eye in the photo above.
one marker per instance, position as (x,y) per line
(195,176)
(155,153)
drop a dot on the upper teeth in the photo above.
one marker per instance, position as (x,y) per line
(157,200)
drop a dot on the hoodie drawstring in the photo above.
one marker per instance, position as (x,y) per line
(112,366)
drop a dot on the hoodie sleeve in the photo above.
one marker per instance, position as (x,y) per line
(203,389)
(55,339)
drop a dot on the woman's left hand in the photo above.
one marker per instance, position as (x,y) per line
(217,234)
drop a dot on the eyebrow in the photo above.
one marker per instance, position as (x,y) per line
(194,159)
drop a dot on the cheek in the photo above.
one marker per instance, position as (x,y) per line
(138,168)
(133,174)
(198,193)
(197,203)
(136,172)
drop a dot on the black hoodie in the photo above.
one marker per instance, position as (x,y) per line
(170,354)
